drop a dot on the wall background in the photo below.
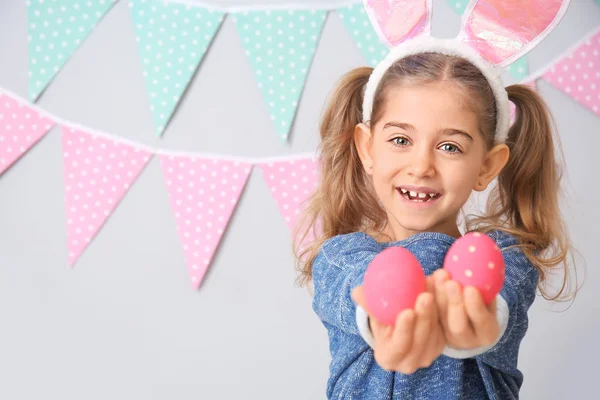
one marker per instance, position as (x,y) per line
(125,323)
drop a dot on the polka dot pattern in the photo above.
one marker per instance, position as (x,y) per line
(203,193)
(458,5)
(519,69)
(280,45)
(20,128)
(98,172)
(578,74)
(172,40)
(56,29)
(291,183)
(355,19)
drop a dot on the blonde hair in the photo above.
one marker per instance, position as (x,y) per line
(524,202)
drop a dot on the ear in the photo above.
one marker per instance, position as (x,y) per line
(495,161)
(362,141)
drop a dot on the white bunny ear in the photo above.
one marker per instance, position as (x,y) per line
(398,20)
(504,30)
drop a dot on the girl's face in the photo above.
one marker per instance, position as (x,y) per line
(425,156)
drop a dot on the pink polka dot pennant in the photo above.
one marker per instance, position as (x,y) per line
(203,193)
(20,128)
(98,172)
(578,74)
(291,183)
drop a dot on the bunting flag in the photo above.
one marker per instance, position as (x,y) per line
(519,69)
(203,193)
(98,171)
(458,5)
(21,127)
(291,182)
(56,29)
(172,40)
(357,21)
(578,73)
(280,45)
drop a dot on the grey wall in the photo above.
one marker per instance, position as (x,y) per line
(125,323)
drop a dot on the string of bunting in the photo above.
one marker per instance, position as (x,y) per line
(203,189)
(100,168)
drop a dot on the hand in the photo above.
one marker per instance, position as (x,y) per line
(467,321)
(416,339)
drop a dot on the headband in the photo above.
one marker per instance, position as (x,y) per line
(494,34)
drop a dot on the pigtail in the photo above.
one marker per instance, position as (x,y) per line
(342,202)
(525,202)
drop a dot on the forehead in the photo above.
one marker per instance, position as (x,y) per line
(432,105)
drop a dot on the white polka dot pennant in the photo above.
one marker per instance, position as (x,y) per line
(203,193)
(20,128)
(458,6)
(98,173)
(578,73)
(519,69)
(291,183)
(356,20)
(280,45)
(56,29)
(172,40)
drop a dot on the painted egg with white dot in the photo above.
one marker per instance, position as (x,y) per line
(392,283)
(475,260)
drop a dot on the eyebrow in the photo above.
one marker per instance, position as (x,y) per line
(445,131)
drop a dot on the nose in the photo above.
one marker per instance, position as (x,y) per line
(422,164)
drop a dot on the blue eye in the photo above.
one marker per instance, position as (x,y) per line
(450,148)
(400,141)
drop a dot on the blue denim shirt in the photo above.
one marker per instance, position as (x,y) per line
(354,374)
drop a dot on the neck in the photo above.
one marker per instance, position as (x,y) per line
(396,232)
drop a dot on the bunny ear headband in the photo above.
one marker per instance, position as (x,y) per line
(494,33)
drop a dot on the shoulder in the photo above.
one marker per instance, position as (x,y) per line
(348,248)
(518,267)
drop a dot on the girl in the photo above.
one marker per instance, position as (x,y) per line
(399,159)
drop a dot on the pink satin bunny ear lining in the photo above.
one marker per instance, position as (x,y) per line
(504,30)
(398,20)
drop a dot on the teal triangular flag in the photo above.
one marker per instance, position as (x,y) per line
(357,22)
(519,69)
(172,40)
(458,5)
(281,45)
(56,29)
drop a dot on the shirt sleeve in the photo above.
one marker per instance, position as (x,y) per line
(336,272)
(518,293)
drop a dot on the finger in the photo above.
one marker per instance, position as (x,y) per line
(484,321)
(403,332)
(441,299)
(458,321)
(422,330)
(358,295)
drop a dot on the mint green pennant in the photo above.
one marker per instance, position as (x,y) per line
(357,22)
(519,69)
(172,40)
(56,28)
(280,45)
(458,5)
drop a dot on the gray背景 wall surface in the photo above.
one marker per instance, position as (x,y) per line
(125,323)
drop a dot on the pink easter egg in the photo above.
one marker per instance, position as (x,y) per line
(392,282)
(475,260)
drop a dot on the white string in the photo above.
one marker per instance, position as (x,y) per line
(331,5)
(159,151)
(541,71)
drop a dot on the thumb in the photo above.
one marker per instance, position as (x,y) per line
(358,295)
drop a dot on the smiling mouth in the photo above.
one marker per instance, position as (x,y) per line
(418,197)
